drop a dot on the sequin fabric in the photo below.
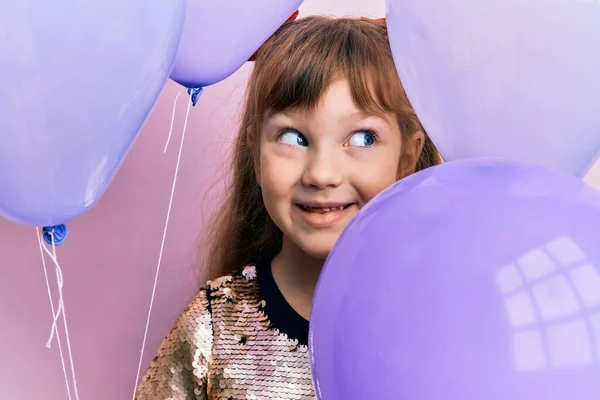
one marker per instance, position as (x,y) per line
(224,347)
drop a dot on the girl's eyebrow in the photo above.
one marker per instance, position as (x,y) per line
(362,115)
(354,116)
(358,115)
(274,114)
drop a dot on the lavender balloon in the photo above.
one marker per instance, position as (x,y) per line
(220,35)
(78,79)
(508,78)
(476,279)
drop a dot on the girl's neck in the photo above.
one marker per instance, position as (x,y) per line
(296,274)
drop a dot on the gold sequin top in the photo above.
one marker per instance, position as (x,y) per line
(224,346)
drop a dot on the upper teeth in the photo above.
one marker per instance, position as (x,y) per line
(332,208)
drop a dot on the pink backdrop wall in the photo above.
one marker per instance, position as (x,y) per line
(110,258)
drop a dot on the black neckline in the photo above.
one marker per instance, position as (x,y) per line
(280,313)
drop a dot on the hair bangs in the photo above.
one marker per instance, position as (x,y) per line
(321,51)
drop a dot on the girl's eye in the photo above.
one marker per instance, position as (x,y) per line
(362,139)
(292,138)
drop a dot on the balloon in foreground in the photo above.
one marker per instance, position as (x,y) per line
(476,279)
(509,79)
(220,36)
(78,80)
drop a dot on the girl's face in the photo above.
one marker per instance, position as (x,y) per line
(317,169)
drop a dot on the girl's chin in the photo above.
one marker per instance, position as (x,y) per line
(318,248)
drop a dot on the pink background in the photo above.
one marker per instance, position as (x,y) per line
(110,258)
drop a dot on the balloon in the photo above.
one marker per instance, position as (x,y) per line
(508,79)
(476,279)
(78,80)
(220,36)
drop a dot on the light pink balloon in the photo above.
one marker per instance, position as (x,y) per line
(510,79)
(220,36)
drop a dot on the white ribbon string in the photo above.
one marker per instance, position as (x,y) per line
(58,312)
(164,236)
(173,119)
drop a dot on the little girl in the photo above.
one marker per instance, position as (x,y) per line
(326,127)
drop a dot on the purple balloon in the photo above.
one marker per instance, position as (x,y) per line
(220,35)
(476,279)
(79,79)
(511,79)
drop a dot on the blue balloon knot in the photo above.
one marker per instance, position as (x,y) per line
(195,93)
(60,233)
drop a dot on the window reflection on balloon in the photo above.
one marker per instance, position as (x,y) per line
(552,301)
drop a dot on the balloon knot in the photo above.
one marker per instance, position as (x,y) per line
(195,93)
(59,232)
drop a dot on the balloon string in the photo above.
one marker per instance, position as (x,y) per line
(59,277)
(172,119)
(62,358)
(162,245)
(57,313)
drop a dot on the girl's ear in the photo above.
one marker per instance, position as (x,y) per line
(413,147)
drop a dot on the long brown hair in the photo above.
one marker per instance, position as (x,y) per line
(292,70)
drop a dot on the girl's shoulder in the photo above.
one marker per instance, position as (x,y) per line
(182,364)
(242,281)
(222,345)
(225,294)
